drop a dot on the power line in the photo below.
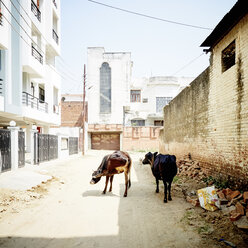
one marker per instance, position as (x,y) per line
(189,63)
(151,17)
(62,61)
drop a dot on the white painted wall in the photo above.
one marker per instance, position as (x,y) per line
(120,64)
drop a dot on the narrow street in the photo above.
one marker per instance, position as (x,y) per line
(73,213)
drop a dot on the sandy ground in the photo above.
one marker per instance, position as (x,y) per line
(69,212)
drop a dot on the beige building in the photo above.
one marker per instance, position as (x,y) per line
(212,124)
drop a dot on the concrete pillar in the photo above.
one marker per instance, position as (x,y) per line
(28,139)
(14,147)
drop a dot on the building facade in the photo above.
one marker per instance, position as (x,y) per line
(30,83)
(212,124)
(125,113)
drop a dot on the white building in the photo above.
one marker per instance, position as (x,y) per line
(116,101)
(148,96)
(30,83)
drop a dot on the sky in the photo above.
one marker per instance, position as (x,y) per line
(158,48)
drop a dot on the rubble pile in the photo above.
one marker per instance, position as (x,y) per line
(190,169)
(233,203)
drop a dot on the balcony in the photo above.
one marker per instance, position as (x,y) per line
(35,10)
(55,4)
(37,55)
(55,37)
(55,109)
(1,19)
(34,102)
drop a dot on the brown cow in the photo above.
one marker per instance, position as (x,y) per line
(114,163)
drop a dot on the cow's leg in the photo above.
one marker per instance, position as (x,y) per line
(126,184)
(165,191)
(111,181)
(169,189)
(106,184)
(157,183)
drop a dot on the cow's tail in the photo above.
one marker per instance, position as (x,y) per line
(129,178)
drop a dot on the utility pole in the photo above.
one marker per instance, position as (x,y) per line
(83,124)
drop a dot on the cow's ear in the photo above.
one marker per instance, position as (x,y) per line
(155,154)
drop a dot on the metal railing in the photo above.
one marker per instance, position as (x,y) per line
(21,149)
(35,10)
(1,87)
(55,4)
(73,145)
(34,102)
(1,19)
(37,55)
(55,37)
(5,150)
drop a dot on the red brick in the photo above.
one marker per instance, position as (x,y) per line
(221,195)
(239,208)
(234,194)
(235,216)
(245,196)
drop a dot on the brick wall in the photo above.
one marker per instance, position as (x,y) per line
(209,119)
(71,113)
(141,138)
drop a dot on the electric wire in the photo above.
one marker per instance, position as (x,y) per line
(66,77)
(148,16)
(59,57)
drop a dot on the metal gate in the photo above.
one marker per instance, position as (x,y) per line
(73,145)
(21,149)
(45,147)
(5,149)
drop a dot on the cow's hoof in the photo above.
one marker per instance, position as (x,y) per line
(104,192)
(157,191)
(165,200)
(125,195)
(170,199)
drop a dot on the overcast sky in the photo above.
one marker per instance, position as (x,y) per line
(158,48)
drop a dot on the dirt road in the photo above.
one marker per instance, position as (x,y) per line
(73,213)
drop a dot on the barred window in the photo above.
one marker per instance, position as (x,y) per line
(137,123)
(161,102)
(105,89)
(135,96)
(228,57)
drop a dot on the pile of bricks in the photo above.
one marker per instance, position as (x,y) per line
(240,201)
(190,169)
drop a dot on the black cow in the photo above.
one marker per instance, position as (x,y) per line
(112,164)
(164,168)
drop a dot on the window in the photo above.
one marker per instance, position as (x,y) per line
(105,89)
(137,123)
(145,100)
(135,96)
(228,57)
(41,94)
(158,123)
(161,102)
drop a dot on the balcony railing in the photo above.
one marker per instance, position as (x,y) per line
(55,37)
(37,55)
(1,19)
(1,87)
(35,10)
(34,102)
(55,4)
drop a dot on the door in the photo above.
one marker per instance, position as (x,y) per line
(105,141)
